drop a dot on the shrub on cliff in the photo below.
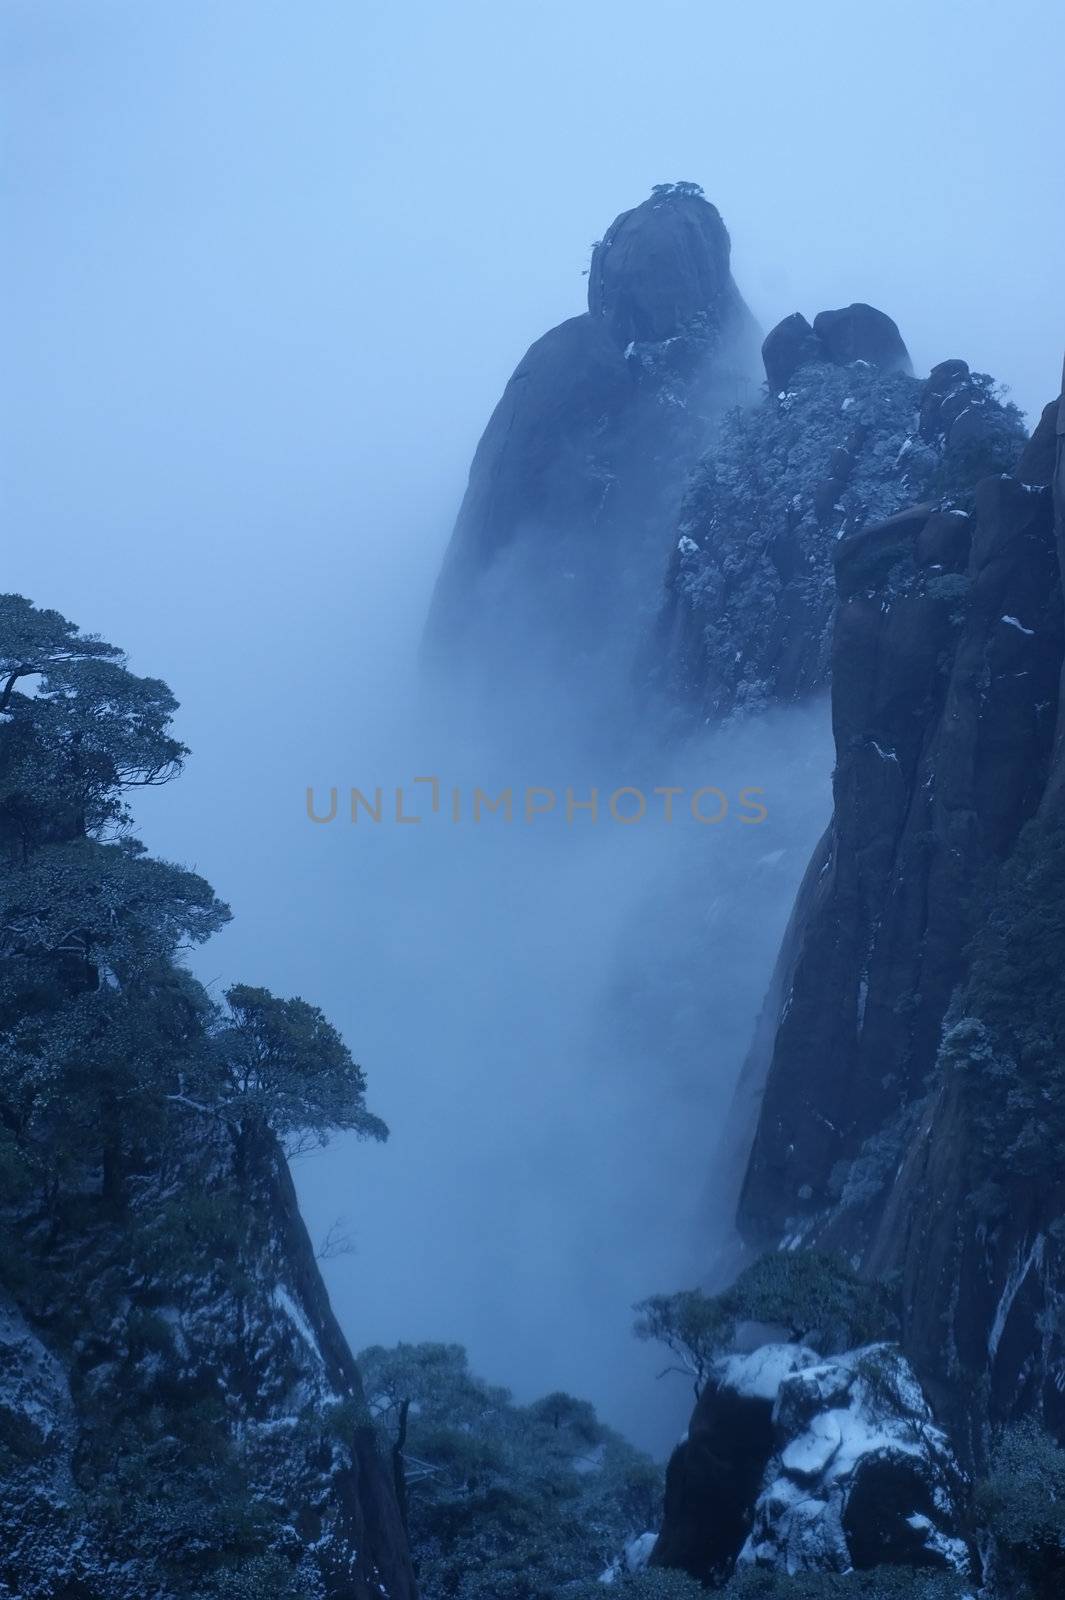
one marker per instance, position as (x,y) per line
(810,1296)
(1006,1035)
(694,1327)
(1022,1501)
(816,1297)
(751,588)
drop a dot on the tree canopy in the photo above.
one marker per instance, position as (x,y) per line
(101,1025)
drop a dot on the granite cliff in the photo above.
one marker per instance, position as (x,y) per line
(558,548)
(905,1109)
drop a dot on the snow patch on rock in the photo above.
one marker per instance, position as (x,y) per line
(759,1374)
(633,1558)
(860,1465)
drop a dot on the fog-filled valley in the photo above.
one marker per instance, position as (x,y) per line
(518,980)
(557,1009)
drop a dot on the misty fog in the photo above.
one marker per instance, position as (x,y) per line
(249,356)
(563,1006)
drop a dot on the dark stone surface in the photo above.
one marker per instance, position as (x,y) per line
(750,594)
(566,523)
(799,1463)
(865,561)
(712,1482)
(659,267)
(876,1519)
(787,347)
(862,333)
(527,472)
(942,714)
(1054,800)
(944,397)
(947,655)
(1040,454)
(855,333)
(365,1491)
(945,541)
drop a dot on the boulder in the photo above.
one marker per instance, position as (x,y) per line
(790,345)
(715,1474)
(856,333)
(861,1476)
(798,1463)
(865,561)
(957,409)
(862,333)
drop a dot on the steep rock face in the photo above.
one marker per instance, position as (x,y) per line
(796,1463)
(873,1137)
(715,1473)
(38,1430)
(972,1224)
(749,591)
(945,688)
(202,1385)
(563,531)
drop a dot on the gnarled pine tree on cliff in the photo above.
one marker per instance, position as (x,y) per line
(179,1412)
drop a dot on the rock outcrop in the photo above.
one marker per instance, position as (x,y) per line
(799,1463)
(663,269)
(927,1160)
(837,338)
(787,347)
(177,1369)
(750,590)
(564,529)
(862,333)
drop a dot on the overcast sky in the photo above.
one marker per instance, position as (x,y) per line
(268,266)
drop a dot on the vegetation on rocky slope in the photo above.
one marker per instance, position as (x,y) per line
(178,1415)
(750,588)
(504,1502)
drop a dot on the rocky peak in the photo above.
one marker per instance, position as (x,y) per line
(662,267)
(565,526)
(957,407)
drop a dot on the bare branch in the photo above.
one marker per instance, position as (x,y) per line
(337,1242)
